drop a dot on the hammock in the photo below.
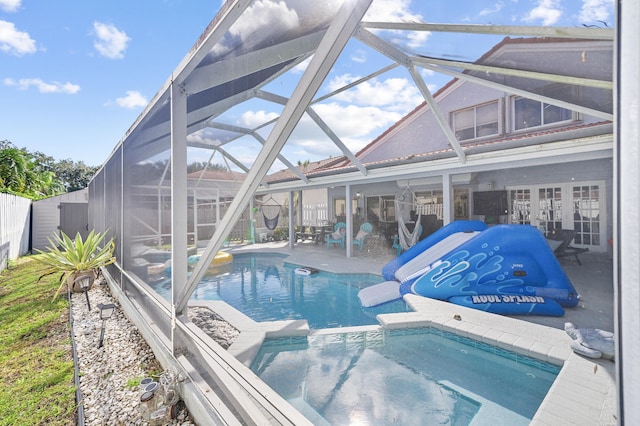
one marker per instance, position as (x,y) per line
(271,214)
(405,238)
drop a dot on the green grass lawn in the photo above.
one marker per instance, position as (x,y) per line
(36,363)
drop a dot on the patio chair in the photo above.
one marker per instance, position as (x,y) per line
(338,234)
(565,249)
(365,230)
(396,241)
(396,245)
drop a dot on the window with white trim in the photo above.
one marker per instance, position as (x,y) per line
(528,113)
(477,122)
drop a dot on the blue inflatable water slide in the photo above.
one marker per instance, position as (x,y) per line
(505,269)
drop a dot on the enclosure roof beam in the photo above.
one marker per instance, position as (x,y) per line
(332,44)
(356,82)
(229,127)
(554,78)
(295,170)
(549,31)
(320,122)
(231,69)
(230,12)
(197,118)
(256,136)
(336,140)
(390,51)
(520,92)
(233,159)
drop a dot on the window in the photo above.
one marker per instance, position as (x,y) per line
(528,113)
(477,122)
(381,208)
(340,207)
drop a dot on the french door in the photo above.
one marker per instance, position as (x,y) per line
(577,206)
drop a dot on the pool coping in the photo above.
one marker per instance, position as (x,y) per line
(583,393)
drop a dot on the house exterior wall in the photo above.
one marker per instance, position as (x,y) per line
(46,216)
(423,134)
(420,133)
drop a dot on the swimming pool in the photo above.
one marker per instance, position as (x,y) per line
(408,377)
(266,288)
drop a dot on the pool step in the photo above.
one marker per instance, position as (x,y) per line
(490,413)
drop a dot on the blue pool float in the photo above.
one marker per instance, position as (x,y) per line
(505,269)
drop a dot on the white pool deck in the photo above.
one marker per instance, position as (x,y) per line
(584,393)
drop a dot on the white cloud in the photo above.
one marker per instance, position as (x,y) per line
(253,119)
(397,94)
(10,5)
(359,56)
(41,86)
(391,10)
(355,125)
(547,11)
(352,121)
(133,99)
(15,42)
(202,136)
(263,20)
(111,42)
(496,8)
(595,10)
(302,66)
(397,11)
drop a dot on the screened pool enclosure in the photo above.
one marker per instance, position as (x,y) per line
(244,100)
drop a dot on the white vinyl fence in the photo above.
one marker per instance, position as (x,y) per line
(315,214)
(15,220)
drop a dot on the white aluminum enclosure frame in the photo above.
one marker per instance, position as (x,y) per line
(326,47)
(627,213)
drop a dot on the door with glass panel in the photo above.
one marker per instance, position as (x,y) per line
(521,206)
(550,214)
(587,215)
(579,207)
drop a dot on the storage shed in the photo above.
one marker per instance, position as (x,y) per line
(67,212)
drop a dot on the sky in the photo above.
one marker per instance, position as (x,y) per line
(75,75)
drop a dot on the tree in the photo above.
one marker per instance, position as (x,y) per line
(197,166)
(303,165)
(22,174)
(13,169)
(73,175)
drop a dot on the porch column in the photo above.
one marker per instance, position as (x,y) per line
(252,220)
(300,210)
(447,199)
(349,214)
(292,232)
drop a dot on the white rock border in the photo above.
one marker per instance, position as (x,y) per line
(106,372)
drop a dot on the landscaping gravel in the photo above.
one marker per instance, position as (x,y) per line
(109,375)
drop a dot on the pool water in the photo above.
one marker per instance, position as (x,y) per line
(265,288)
(409,377)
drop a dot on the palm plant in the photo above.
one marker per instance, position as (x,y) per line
(76,258)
